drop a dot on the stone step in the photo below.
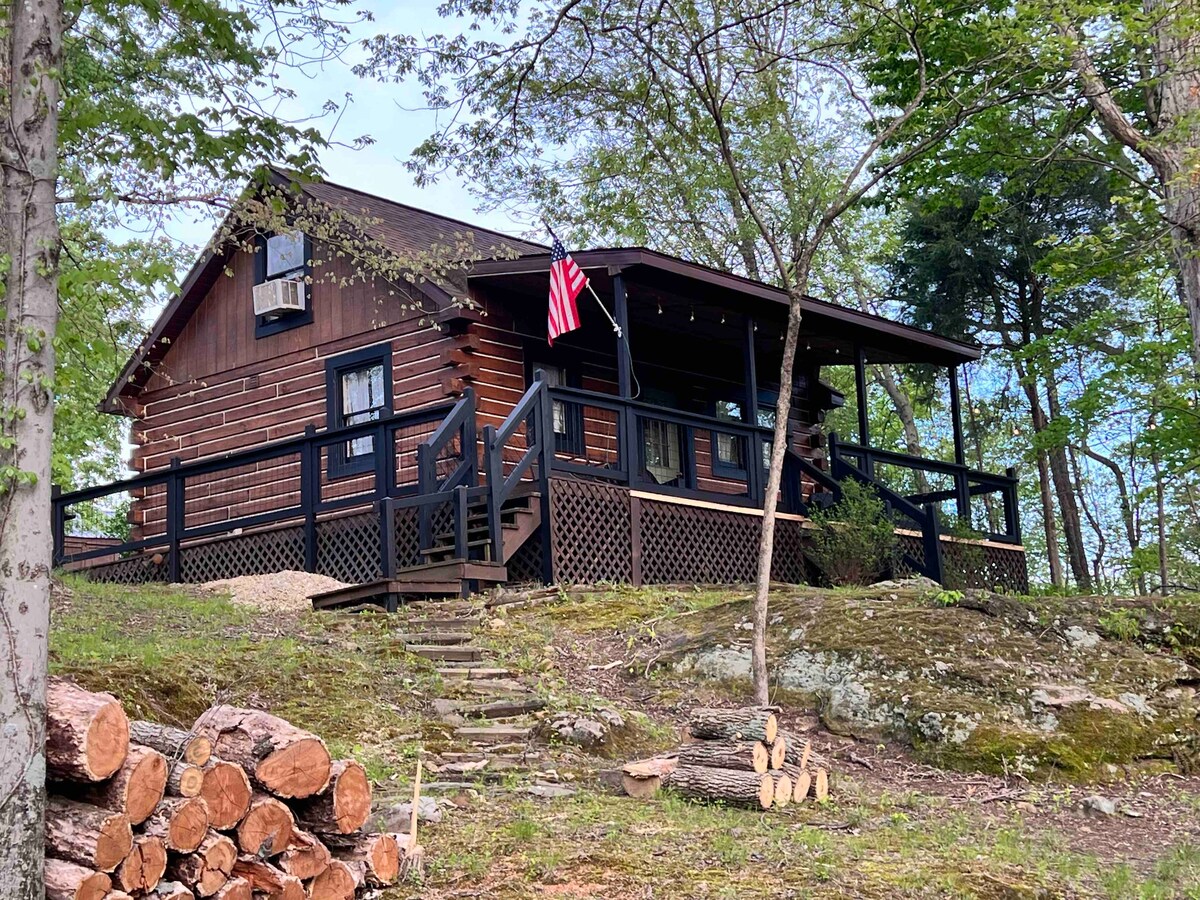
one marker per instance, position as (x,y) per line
(468,670)
(436,637)
(464,623)
(446,653)
(501,709)
(496,686)
(494,733)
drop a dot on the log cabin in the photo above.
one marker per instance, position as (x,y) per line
(287,413)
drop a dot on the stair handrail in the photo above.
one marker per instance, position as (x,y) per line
(925,517)
(459,422)
(534,408)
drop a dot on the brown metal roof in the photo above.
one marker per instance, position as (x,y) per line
(904,342)
(399,227)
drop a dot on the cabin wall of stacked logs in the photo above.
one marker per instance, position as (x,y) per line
(138,809)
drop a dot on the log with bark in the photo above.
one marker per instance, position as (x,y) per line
(134,789)
(226,789)
(730,785)
(68,881)
(173,743)
(184,780)
(144,867)
(335,883)
(268,880)
(344,806)
(377,854)
(751,723)
(86,835)
(753,756)
(206,870)
(266,829)
(306,856)
(87,734)
(278,757)
(179,822)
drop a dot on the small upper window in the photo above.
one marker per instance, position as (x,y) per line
(730,458)
(285,254)
(288,255)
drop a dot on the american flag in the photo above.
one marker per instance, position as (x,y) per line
(566,282)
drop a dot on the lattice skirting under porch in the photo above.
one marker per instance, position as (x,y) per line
(969,564)
(605,533)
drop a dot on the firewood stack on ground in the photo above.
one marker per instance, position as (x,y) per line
(736,756)
(244,806)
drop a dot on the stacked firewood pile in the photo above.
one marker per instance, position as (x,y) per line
(243,807)
(737,756)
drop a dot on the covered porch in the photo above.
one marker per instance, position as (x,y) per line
(682,405)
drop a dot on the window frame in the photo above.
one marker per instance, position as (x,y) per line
(574,441)
(339,463)
(722,467)
(265,326)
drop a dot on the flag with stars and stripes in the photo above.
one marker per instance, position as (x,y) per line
(566,282)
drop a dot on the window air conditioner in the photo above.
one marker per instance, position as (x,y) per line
(283,295)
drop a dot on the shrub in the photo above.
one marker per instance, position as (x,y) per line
(854,542)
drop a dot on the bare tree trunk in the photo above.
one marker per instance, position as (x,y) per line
(989,504)
(1160,502)
(1065,488)
(1057,578)
(766,546)
(32,45)
(1093,520)
(1131,530)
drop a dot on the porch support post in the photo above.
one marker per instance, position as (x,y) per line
(860,388)
(754,466)
(960,455)
(621,313)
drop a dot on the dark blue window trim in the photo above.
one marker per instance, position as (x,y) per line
(339,463)
(719,466)
(574,441)
(265,326)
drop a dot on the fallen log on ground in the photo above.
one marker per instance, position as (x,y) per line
(278,757)
(729,785)
(643,778)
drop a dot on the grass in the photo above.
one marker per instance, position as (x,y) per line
(168,654)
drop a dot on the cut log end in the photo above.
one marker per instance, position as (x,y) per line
(226,790)
(67,881)
(147,782)
(783,790)
(181,822)
(87,835)
(800,791)
(235,889)
(344,806)
(766,791)
(821,788)
(87,734)
(298,770)
(336,883)
(266,830)
(778,752)
(641,788)
(306,857)
(185,780)
(144,867)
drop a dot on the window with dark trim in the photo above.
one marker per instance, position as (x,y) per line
(567,417)
(728,450)
(358,389)
(284,255)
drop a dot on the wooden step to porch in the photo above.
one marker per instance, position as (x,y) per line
(488,734)
(468,672)
(437,637)
(451,570)
(444,653)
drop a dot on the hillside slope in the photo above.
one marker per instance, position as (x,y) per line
(966,732)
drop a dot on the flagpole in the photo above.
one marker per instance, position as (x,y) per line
(591,290)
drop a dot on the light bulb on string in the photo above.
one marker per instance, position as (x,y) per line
(660,309)
(692,317)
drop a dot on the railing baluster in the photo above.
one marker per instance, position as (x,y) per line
(309,486)
(176,520)
(58,526)
(932,544)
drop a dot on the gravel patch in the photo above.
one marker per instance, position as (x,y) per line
(279,591)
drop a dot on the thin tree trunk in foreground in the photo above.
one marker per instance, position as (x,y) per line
(31,58)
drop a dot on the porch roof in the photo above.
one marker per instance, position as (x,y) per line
(891,341)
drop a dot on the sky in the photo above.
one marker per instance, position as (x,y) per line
(391,114)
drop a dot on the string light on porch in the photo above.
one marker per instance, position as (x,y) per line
(692,317)
(660,309)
